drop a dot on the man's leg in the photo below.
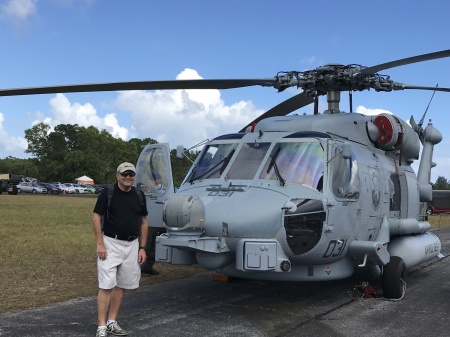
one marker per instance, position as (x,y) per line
(103,302)
(116,302)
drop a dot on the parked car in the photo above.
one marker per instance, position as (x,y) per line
(63,187)
(51,189)
(28,187)
(89,187)
(75,188)
(100,187)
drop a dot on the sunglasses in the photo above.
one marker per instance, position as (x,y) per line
(128,174)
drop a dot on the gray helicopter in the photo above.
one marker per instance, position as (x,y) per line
(296,197)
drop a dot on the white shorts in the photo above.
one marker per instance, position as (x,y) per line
(121,267)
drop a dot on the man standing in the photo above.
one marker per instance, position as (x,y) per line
(121,241)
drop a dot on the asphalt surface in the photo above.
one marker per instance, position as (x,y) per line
(202,307)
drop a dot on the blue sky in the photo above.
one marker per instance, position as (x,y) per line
(49,42)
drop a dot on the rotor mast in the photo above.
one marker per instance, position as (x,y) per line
(333,99)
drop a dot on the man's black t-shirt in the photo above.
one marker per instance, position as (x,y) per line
(125,211)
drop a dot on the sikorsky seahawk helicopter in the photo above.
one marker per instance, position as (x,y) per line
(297,197)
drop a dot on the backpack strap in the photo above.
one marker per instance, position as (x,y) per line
(139,193)
(110,194)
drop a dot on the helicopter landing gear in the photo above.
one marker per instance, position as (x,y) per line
(394,277)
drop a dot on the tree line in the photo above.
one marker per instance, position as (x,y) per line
(70,151)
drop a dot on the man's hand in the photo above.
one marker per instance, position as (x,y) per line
(101,251)
(142,256)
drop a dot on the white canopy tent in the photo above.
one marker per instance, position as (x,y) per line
(84,180)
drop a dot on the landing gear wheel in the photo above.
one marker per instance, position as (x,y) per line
(394,277)
(429,211)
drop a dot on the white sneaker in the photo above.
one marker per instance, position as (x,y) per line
(114,329)
(101,333)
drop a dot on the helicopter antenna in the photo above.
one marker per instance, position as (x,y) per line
(423,117)
(418,127)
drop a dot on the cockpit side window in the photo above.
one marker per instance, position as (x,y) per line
(297,162)
(345,176)
(248,160)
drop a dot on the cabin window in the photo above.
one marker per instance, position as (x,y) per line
(248,160)
(214,160)
(298,163)
(345,177)
(394,192)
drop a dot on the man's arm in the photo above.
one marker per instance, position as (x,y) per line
(97,227)
(142,256)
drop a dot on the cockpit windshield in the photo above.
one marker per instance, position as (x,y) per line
(294,162)
(214,160)
(248,161)
(289,162)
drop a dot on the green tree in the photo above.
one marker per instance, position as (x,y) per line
(70,151)
(441,184)
(181,166)
(26,167)
(37,138)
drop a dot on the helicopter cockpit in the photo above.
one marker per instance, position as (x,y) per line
(288,161)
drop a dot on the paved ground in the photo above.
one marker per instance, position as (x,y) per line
(202,307)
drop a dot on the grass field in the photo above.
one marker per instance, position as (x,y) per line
(47,251)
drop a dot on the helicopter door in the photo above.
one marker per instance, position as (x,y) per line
(154,177)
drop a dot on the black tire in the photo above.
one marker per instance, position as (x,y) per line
(12,189)
(19,190)
(429,211)
(76,191)
(34,192)
(394,277)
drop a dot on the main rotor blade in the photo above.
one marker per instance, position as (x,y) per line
(284,108)
(408,86)
(405,61)
(144,85)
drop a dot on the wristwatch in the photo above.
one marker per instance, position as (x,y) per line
(142,247)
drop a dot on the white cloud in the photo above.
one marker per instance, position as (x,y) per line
(65,112)
(371,112)
(11,146)
(310,60)
(184,116)
(18,11)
